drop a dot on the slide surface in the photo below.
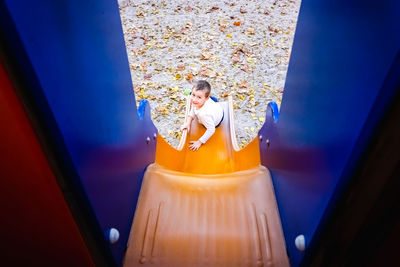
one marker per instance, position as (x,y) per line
(212,207)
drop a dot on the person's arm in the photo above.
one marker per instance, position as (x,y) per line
(186,125)
(209,132)
(208,122)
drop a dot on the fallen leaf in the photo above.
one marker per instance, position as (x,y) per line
(246,68)
(212,9)
(136,51)
(205,55)
(147,76)
(236,23)
(161,108)
(243,84)
(250,30)
(203,73)
(236,59)
(189,77)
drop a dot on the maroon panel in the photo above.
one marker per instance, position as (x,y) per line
(37,227)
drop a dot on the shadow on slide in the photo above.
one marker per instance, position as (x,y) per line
(212,207)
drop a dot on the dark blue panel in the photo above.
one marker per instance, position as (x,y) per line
(342,53)
(77,51)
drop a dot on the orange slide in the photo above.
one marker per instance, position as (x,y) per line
(212,207)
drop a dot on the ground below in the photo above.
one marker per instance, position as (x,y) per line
(242,48)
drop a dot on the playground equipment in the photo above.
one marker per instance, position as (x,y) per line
(74,150)
(213,207)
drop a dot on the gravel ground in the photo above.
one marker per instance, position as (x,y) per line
(241,48)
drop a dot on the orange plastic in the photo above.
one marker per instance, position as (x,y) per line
(214,157)
(212,207)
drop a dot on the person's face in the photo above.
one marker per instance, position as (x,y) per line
(198,98)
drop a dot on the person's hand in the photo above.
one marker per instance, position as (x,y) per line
(185,126)
(195,145)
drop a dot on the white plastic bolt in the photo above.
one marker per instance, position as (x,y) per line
(300,242)
(113,235)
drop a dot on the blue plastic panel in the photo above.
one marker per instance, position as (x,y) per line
(342,53)
(77,51)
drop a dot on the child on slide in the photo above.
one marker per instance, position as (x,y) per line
(208,112)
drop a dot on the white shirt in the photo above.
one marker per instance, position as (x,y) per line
(210,114)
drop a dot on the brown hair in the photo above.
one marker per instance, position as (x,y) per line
(203,85)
